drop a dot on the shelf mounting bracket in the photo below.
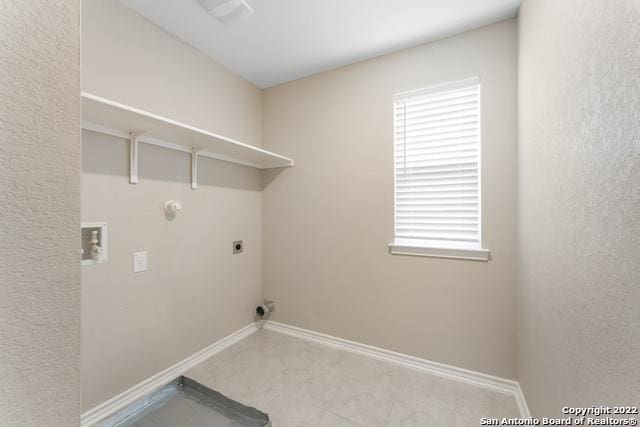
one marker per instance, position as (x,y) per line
(133,158)
(194,168)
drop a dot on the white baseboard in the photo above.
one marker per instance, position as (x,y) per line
(124,399)
(121,401)
(490,382)
(522,404)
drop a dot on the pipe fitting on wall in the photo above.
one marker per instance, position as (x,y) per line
(172,207)
(265,309)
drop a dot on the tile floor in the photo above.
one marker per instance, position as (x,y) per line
(300,383)
(190,406)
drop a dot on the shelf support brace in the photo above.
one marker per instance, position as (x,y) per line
(133,158)
(194,168)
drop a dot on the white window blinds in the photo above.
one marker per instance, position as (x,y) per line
(437,165)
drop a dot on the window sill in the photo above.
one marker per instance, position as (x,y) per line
(471,254)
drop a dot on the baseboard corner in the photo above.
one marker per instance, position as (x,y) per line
(102,411)
(479,379)
(522,403)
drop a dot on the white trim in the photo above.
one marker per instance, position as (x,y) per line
(121,401)
(522,403)
(126,398)
(437,88)
(471,254)
(466,376)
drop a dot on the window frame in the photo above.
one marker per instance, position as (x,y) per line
(435,248)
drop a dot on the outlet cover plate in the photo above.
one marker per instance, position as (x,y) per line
(139,261)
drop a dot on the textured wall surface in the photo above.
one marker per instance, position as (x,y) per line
(40,198)
(196,291)
(328,220)
(579,203)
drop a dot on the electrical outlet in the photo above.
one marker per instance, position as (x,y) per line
(237,247)
(139,261)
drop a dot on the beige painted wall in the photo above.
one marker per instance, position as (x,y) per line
(128,59)
(196,291)
(579,203)
(40,196)
(327,221)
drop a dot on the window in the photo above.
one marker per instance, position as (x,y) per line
(437,171)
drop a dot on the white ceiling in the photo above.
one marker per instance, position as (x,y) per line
(288,39)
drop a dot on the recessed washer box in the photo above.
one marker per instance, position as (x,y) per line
(93,243)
